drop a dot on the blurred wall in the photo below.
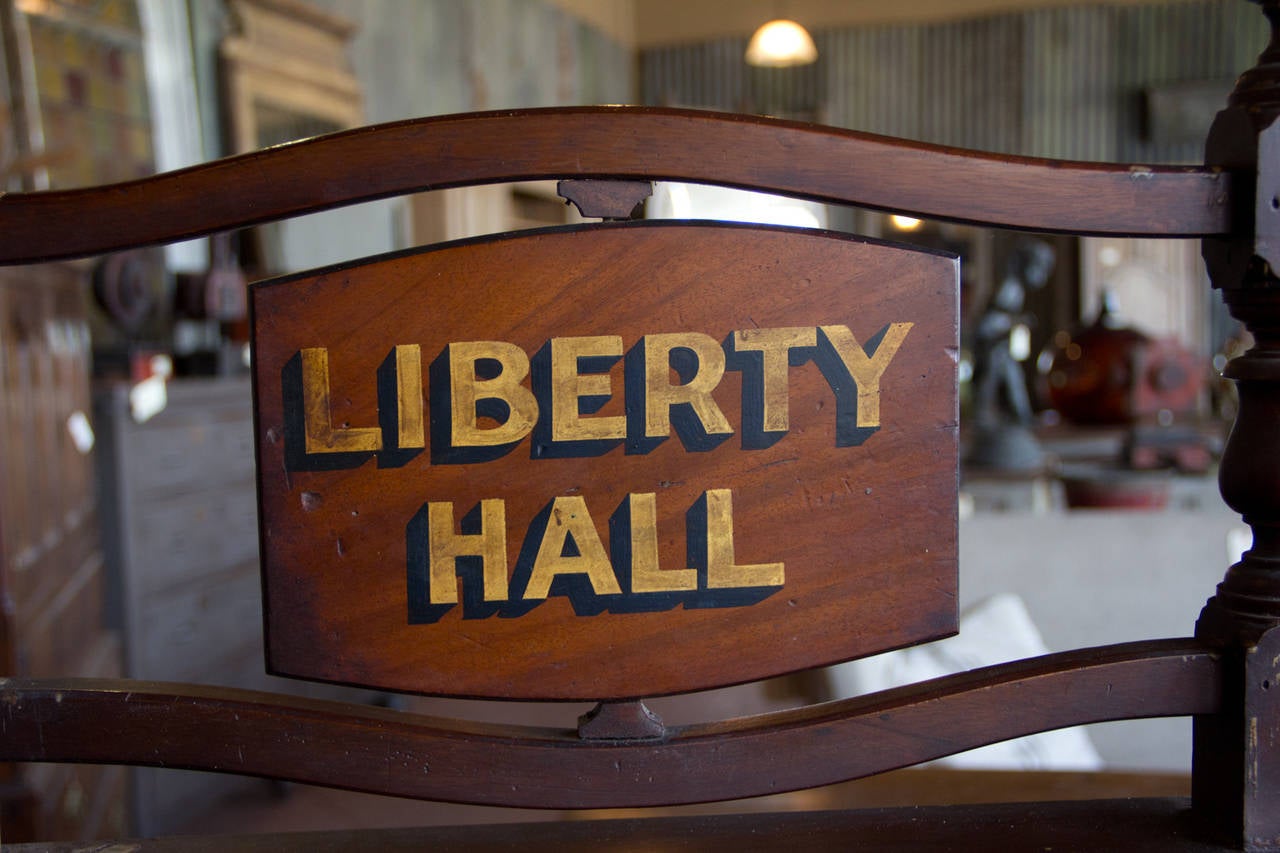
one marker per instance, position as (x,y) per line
(431,57)
(1079,81)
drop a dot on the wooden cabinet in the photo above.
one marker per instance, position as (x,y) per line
(51,565)
(180,530)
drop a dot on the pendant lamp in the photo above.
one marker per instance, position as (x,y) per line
(781,43)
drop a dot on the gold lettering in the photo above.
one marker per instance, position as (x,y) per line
(569,517)
(467,389)
(722,572)
(568,385)
(321,437)
(409,419)
(774,346)
(646,576)
(660,395)
(445,547)
(864,371)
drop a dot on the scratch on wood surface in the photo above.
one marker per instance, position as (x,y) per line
(777,462)
(473,640)
(1253,751)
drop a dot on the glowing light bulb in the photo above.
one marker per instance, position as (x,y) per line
(781,43)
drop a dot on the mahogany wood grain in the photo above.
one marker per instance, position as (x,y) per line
(372,749)
(860,522)
(629,143)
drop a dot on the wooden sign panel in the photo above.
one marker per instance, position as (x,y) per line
(607,461)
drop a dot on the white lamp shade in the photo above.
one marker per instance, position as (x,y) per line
(780,43)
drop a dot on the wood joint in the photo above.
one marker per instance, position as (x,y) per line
(605,199)
(621,721)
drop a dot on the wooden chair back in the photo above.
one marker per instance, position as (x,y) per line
(631,458)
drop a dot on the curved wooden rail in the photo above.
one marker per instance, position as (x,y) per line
(622,143)
(372,749)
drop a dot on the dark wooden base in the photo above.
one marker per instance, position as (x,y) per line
(1162,825)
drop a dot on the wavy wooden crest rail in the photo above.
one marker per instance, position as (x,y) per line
(624,143)
(237,731)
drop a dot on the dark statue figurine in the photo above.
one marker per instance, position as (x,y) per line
(1001,403)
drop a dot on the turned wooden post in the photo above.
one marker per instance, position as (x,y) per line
(1236,760)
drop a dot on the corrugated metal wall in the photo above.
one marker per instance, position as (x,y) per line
(1062,82)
